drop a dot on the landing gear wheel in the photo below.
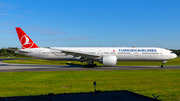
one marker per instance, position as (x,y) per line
(162,66)
(90,65)
(94,65)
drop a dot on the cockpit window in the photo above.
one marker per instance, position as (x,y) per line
(171,52)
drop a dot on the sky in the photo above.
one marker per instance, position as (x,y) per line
(92,23)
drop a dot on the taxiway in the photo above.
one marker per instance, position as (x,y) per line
(6,67)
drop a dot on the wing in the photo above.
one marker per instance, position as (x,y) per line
(83,55)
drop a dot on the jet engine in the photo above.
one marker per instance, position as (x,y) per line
(109,60)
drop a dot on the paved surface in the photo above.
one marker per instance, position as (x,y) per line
(92,96)
(5,67)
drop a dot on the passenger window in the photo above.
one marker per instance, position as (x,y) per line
(106,52)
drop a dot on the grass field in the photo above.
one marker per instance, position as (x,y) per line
(120,63)
(165,83)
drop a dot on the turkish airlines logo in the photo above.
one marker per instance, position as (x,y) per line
(26,42)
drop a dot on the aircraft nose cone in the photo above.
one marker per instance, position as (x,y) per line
(175,55)
(172,56)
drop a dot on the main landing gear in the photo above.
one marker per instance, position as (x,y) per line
(162,66)
(90,65)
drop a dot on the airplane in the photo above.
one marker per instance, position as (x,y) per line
(108,56)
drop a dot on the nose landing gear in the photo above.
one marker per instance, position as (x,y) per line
(162,66)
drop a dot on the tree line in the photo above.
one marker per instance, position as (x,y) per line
(10,53)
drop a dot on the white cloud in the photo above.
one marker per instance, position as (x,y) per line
(9,24)
(30,11)
(69,38)
(7,31)
(8,38)
(46,31)
(55,32)
(3,14)
(19,16)
(5,6)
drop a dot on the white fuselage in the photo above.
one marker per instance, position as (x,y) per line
(108,56)
(122,53)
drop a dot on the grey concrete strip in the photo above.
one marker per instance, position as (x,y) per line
(5,67)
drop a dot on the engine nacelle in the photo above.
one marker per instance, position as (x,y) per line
(109,60)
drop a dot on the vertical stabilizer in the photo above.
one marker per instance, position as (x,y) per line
(24,39)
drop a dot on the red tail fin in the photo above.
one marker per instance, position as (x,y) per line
(25,41)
